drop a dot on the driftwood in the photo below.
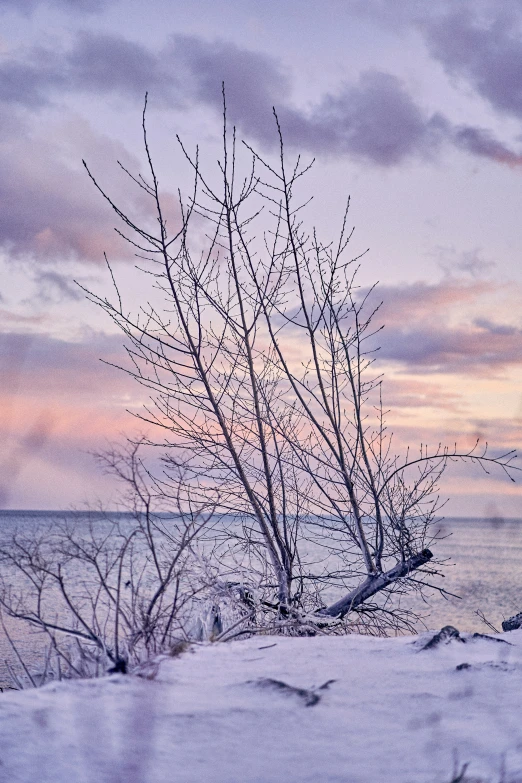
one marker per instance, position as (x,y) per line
(374,583)
(512,623)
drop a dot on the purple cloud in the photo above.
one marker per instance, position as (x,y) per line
(461,350)
(375,119)
(50,210)
(48,213)
(484,49)
(102,63)
(255,82)
(55,287)
(97,62)
(482,143)
(28,83)
(46,366)
(421,333)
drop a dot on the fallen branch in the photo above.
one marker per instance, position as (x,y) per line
(374,583)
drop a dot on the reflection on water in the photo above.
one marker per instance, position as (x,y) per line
(484,568)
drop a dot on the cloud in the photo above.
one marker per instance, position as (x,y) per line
(374,118)
(415,301)
(483,48)
(50,209)
(104,63)
(254,81)
(482,143)
(405,394)
(57,402)
(469,262)
(29,82)
(425,328)
(55,287)
(42,366)
(478,41)
(458,350)
(99,63)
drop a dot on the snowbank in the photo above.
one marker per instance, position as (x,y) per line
(224,714)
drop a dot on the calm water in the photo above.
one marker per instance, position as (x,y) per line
(484,568)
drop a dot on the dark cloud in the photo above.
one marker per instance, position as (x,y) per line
(504,330)
(479,41)
(375,118)
(47,212)
(461,350)
(485,49)
(97,62)
(29,83)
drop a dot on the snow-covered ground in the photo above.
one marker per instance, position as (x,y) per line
(221,713)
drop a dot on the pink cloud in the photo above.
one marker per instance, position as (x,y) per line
(451,326)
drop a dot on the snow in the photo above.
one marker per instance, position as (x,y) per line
(394,713)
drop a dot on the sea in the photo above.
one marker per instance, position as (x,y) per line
(482,566)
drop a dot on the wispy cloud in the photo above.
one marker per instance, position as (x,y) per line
(53,286)
(407,394)
(426,331)
(58,401)
(481,142)
(50,210)
(42,366)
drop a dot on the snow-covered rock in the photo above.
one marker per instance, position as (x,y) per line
(254,712)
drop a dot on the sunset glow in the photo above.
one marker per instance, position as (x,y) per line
(414,112)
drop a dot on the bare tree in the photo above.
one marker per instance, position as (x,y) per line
(108,589)
(257,347)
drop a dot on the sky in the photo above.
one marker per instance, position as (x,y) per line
(413,109)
